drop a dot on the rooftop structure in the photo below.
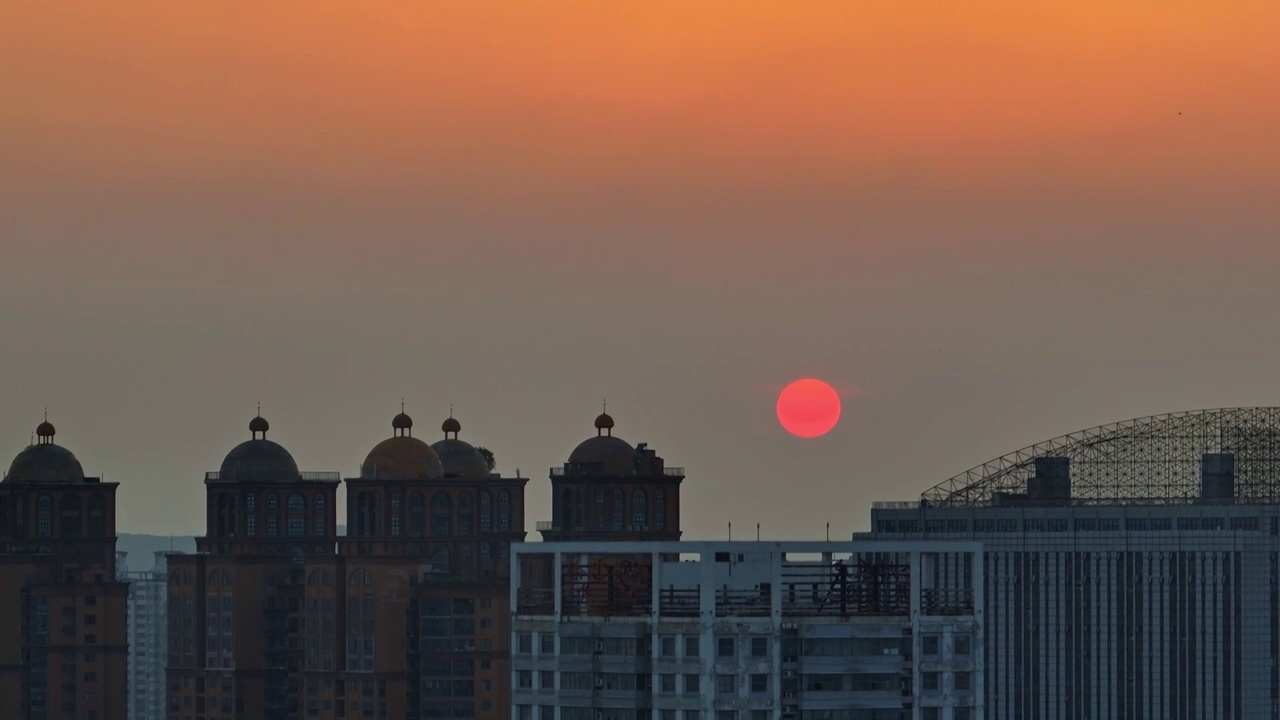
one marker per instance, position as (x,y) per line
(1227,455)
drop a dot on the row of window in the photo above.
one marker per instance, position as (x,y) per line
(368,513)
(71,516)
(548,712)
(227,525)
(1013,525)
(611,510)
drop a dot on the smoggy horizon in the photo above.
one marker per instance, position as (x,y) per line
(985,225)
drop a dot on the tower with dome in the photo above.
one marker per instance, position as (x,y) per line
(63,614)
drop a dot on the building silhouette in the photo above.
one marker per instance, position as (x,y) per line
(405,616)
(63,648)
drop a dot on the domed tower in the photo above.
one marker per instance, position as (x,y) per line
(58,553)
(259,503)
(441,502)
(612,490)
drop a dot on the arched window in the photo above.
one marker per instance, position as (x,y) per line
(486,551)
(440,559)
(486,512)
(297,515)
(441,513)
(417,516)
(273,515)
(251,515)
(72,519)
(619,511)
(220,514)
(464,554)
(659,510)
(393,515)
(319,519)
(602,515)
(639,510)
(504,511)
(465,501)
(367,514)
(44,516)
(97,515)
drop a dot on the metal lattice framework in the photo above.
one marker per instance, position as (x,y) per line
(1150,460)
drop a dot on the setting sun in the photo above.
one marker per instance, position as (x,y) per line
(808,408)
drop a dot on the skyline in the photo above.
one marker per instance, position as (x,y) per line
(985,225)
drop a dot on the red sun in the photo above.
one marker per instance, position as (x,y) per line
(808,408)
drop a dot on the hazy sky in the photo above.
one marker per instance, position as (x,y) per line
(987,223)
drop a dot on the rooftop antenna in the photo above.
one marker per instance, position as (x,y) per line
(450,409)
(828,532)
(401,406)
(730,532)
(757,532)
(259,408)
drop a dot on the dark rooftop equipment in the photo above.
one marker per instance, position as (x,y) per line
(1218,477)
(1052,482)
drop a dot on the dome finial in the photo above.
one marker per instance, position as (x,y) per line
(259,425)
(402,424)
(604,423)
(451,425)
(45,430)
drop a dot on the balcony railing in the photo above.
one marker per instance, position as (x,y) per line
(309,476)
(896,505)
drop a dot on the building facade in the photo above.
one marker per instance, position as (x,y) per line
(63,614)
(148,632)
(1130,571)
(748,631)
(404,617)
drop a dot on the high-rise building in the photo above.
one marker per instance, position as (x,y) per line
(237,619)
(148,631)
(1130,570)
(63,645)
(857,630)
(425,566)
(404,616)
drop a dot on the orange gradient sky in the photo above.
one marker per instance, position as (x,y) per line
(995,221)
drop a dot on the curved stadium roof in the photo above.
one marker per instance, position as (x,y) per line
(1150,460)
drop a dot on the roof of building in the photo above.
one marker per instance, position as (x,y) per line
(1156,459)
(259,459)
(402,456)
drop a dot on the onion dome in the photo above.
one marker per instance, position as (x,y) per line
(402,456)
(45,462)
(460,458)
(259,459)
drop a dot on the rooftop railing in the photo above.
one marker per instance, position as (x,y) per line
(308,476)
(598,469)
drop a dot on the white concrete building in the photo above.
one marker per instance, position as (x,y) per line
(747,631)
(147,637)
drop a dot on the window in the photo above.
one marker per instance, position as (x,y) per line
(366,514)
(273,515)
(619,511)
(667,645)
(963,645)
(929,645)
(725,647)
(667,682)
(547,644)
(659,510)
(319,525)
(486,512)
(393,515)
(929,680)
(691,685)
(930,713)
(962,681)
(72,521)
(44,516)
(441,513)
(525,644)
(759,647)
(759,683)
(639,511)
(691,647)
(250,515)
(504,511)
(726,684)
(962,713)
(297,515)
